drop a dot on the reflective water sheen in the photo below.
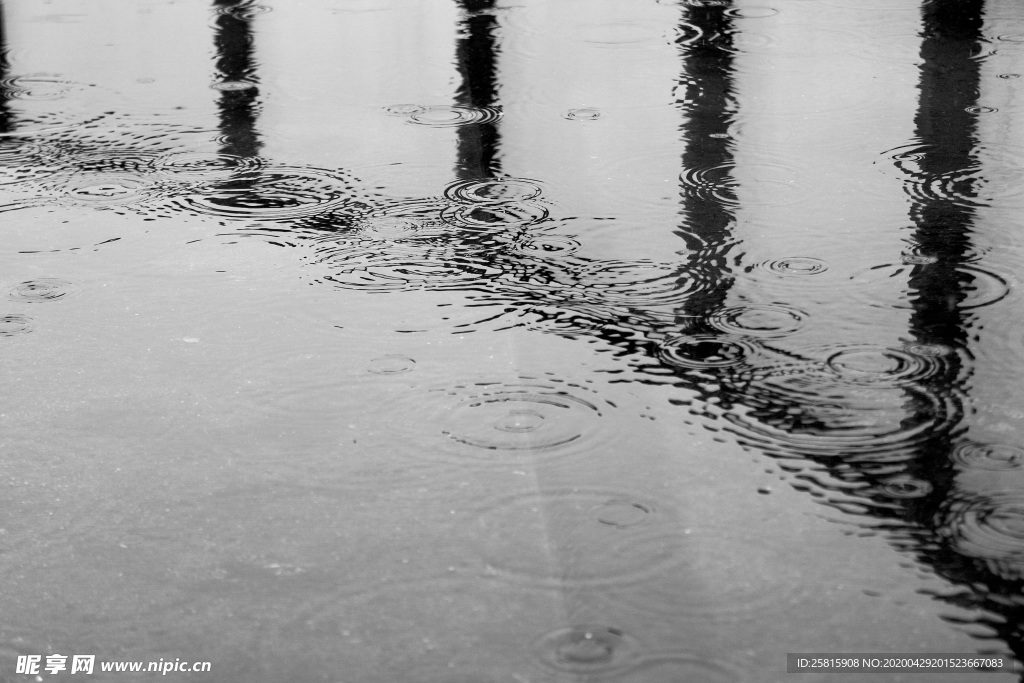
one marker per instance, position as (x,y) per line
(544,341)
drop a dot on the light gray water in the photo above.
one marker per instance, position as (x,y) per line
(510,341)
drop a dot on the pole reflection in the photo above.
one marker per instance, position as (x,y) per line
(962,508)
(6,123)
(476,54)
(237,79)
(706,223)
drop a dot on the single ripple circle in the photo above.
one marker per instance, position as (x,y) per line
(13,324)
(48,104)
(761,184)
(973,285)
(988,456)
(276,193)
(641,283)
(705,351)
(518,420)
(596,537)
(391,365)
(798,266)
(988,527)
(587,649)
(443,116)
(990,176)
(494,216)
(41,290)
(37,87)
(870,364)
(765,320)
(978,109)
(107,189)
(707,581)
(872,422)
(403,268)
(493,190)
(983,287)
(204,165)
(904,486)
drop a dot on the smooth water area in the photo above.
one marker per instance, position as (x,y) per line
(510,341)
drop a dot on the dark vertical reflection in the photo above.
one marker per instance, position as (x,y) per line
(706,86)
(945,129)
(236,68)
(949,85)
(476,57)
(6,119)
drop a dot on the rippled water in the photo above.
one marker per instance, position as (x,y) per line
(513,342)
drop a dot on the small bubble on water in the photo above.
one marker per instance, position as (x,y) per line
(978,109)
(583,114)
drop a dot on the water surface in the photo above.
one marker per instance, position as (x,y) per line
(492,341)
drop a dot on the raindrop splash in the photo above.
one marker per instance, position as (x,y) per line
(588,649)
(41,290)
(446,116)
(988,456)
(12,325)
